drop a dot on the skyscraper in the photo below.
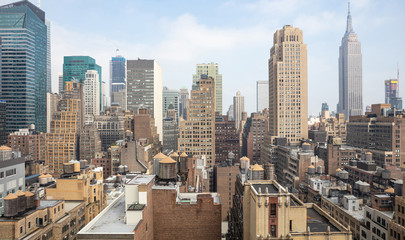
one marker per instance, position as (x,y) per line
(288,85)
(117,73)
(75,67)
(144,88)
(238,108)
(170,97)
(197,133)
(62,142)
(183,103)
(48,56)
(392,93)
(325,107)
(91,96)
(350,73)
(262,95)
(60,82)
(211,70)
(24,39)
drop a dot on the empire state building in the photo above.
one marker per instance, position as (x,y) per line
(350,73)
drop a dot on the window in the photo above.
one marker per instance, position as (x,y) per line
(21,229)
(273,230)
(273,209)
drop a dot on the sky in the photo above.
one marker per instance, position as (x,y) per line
(236,34)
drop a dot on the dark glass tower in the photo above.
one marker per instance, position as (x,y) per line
(23,65)
(117,71)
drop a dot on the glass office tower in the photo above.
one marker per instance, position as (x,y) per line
(75,67)
(23,65)
(117,71)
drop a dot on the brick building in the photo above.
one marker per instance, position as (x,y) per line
(226,138)
(256,127)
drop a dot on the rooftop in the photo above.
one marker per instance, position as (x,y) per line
(110,221)
(270,186)
(49,203)
(141,179)
(318,223)
(69,205)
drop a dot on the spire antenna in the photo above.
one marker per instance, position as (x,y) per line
(349,27)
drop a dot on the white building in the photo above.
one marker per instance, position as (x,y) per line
(91,95)
(238,108)
(144,88)
(262,95)
(376,223)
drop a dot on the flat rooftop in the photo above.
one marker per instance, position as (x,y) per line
(69,205)
(48,203)
(270,186)
(110,220)
(141,179)
(318,223)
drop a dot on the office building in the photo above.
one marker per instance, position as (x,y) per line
(392,93)
(379,133)
(262,95)
(325,107)
(117,73)
(288,86)
(183,103)
(48,57)
(51,107)
(145,128)
(211,70)
(256,127)
(270,211)
(170,135)
(24,34)
(60,82)
(12,174)
(90,142)
(350,73)
(3,131)
(91,96)
(29,143)
(197,133)
(226,139)
(333,126)
(238,108)
(396,227)
(62,142)
(170,98)
(144,89)
(75,68)
(110,126)
(230,114)
(119,99)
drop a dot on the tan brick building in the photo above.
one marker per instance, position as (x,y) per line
(197,133)
(288,85)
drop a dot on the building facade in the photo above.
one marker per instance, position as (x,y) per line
(288,86)
(392,93)
(256,127)
(144,89)
(197,133)
(62,142)
(3,130)
(23,39)
(211,70)
(262,95)
(170,98)
(51,107)
(117,74)
(91,96)
(238,108)
(183,103)
(350,73)
(90,142)
(226,138)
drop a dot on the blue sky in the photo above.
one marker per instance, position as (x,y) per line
(237,35)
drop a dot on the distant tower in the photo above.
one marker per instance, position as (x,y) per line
(392,93)
(91,96)
(262,95)
(350,73)
(238,108)
(211,69)
(325,107)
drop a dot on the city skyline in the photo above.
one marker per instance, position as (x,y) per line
(178,41)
